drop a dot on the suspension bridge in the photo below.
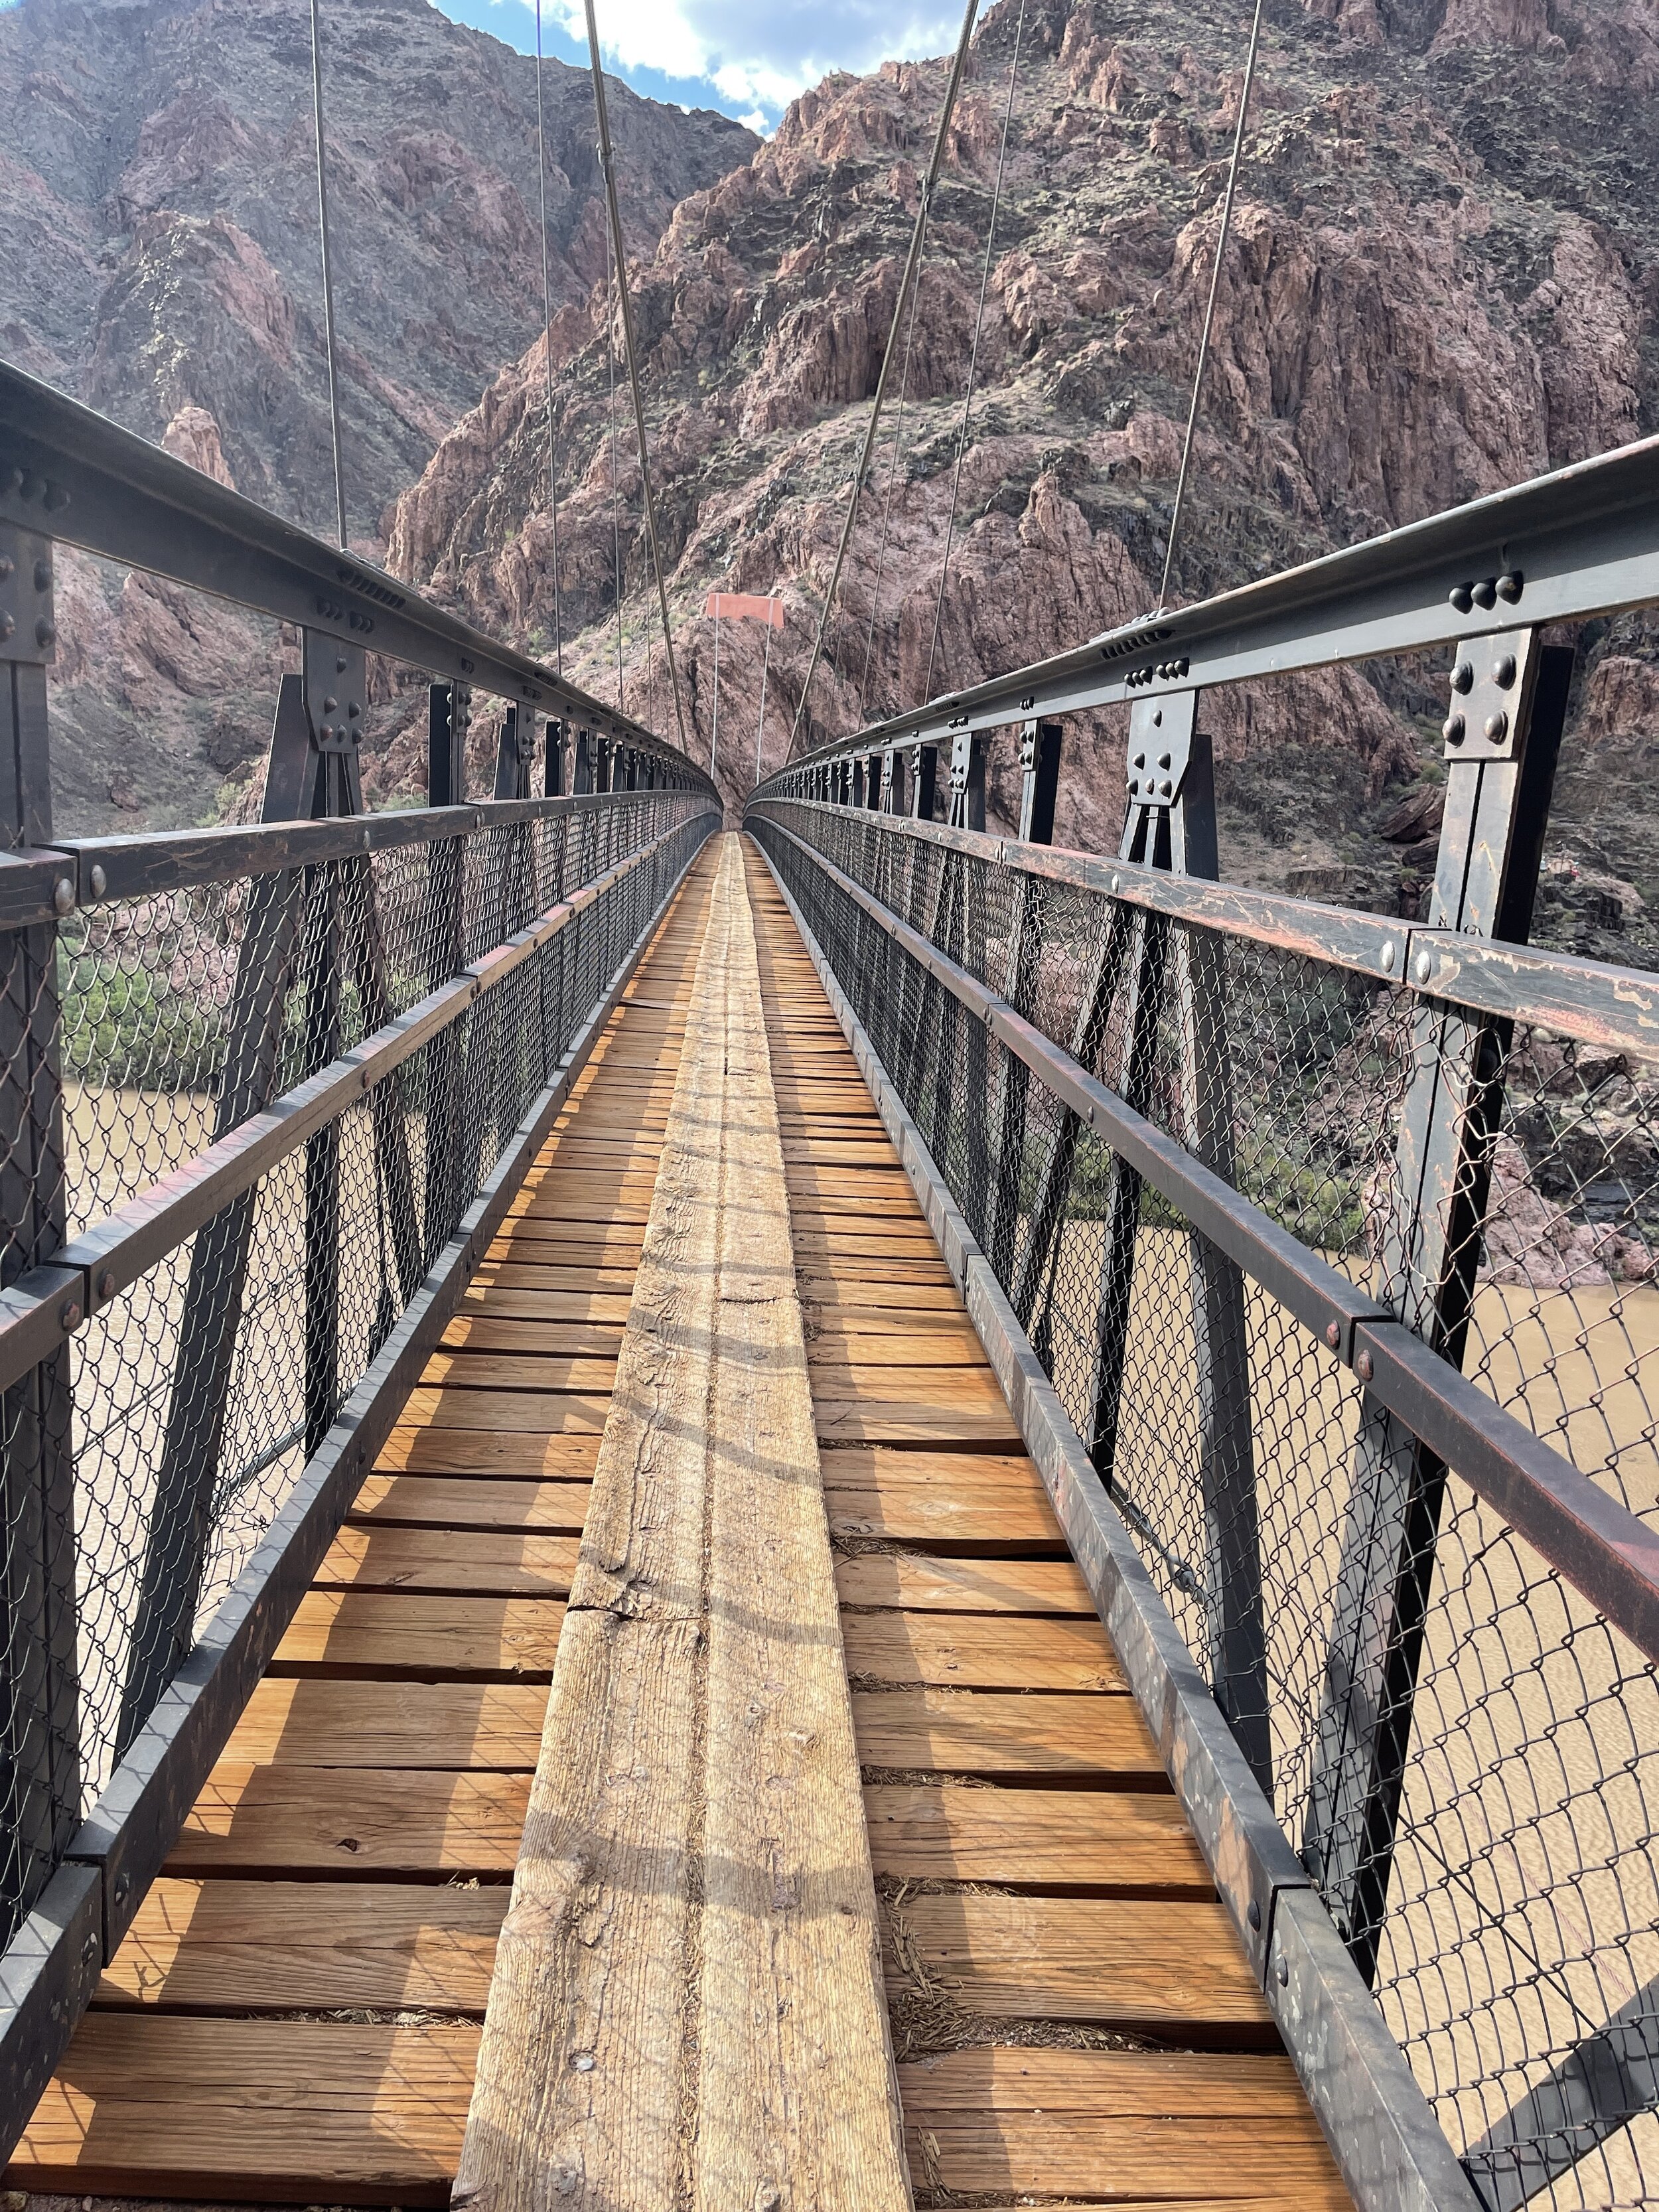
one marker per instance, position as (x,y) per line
(840,1509)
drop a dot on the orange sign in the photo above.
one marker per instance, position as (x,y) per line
(745,607)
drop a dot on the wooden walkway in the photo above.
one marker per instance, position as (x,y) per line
(295,2016)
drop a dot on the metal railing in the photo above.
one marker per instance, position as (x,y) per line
(266,1093)
(1319,1251)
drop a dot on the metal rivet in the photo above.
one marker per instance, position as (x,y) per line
(368,1077)
(99,880)
(43,575)
(1362,1366)
(1391,954)
(89,1949)
(1453,729)
(1283,1973)
(5,568)
(46,632)
(69,1314)
(328,729)
(62,895)
(1117,884)
(1140,760)
(1333,1334)
(1134,793)
(7,625)
(1497,726)
(1254,1916)
(1167,788)
(329,705)
(1510,585)
(106,1284)
(1462,676)
(1485,594)
(1462,597)
(353,709)
(340,664)
(1423,966)
(123,1887)
(1158,720)
(1503,670)
(1163,760)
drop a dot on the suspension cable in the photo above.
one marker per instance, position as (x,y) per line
(616,500)
(608,163)
(547,340)
(929,180)
(1209,312)
(887,503)
(973,357)
(328,272)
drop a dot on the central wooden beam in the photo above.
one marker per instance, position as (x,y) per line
(687,2006)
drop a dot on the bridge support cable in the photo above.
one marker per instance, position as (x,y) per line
(973,355)
(547,340)
(1209,312)
(328,270)
(611,449)
(607,162)
(912,260)
(892,479)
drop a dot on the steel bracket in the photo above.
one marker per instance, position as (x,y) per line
(1484,715)
(28,628)
(1160,750)
(336,678)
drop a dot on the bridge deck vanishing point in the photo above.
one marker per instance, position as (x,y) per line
(689,2004)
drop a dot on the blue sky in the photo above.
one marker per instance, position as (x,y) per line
(747,57)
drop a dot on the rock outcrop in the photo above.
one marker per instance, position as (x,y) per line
(1419,306)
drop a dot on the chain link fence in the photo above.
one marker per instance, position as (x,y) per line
(1512,1937)
(146,1459)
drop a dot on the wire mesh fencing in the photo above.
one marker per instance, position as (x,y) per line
(1462,1748)
(145,1459)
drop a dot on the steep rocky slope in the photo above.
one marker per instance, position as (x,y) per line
(1444,278)
(158,206)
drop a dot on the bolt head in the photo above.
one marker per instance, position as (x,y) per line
(1462,597)
(1117,884)
(123,1887)
(329,705)
(106,1284)
(1423,967)
(1453,729)
(99,880)
(1167,788)
(1254,1916)
(1391,954)
(1510,585)
(1364,1367)
(5,568)
(1503,670)
(62,895)
(1486,594)
(43,575)
(7,625)
(1462,677)
(1163,760)
(1283,1973)
(46,632)
(69,1315)
(1497,726)
(1333,1334)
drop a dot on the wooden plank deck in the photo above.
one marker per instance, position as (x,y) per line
(296,2014)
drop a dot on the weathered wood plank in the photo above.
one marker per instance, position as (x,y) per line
(686,1852)
(988,1652)
(1141,1964)
(303,1820)
(1130,1842)
(405,1724)
(305,2112)
(472,1502)
(338,1632)
(918,1583)
(450,1561)
(987,1732)
(268,1946)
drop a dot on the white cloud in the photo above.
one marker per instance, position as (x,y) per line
(764,52)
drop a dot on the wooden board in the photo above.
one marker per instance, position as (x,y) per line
(455,1562)
(476,1451)
(922,1583)
(981,1651)
(341,1632)
(1206,2130)
(268,1945)
(983,1522)
(1132,1842)
(1151,1966)
(985,1732)
(472,1502)
(405,1724)
(689,1911)
(305,1820)
(305,2112)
